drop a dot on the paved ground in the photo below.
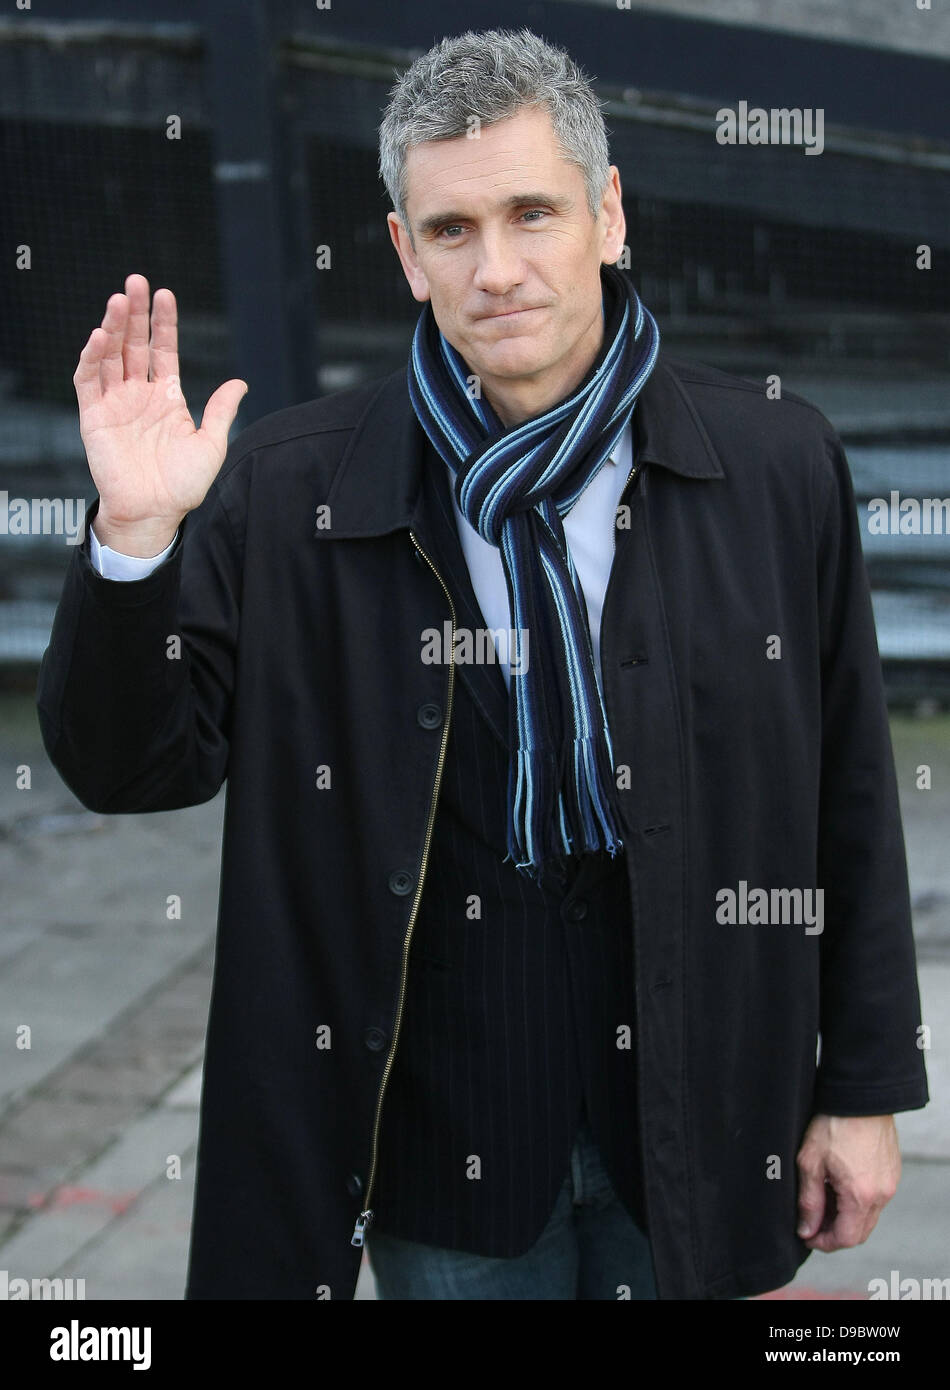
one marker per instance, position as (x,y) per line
(96,1113)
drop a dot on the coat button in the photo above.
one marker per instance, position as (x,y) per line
(354,1185)
(401,882)
(576,911)
(429,716)
(375,1039)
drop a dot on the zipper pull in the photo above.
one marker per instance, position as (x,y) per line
(362,1222)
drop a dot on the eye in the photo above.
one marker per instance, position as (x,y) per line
(542,211)
(451,226)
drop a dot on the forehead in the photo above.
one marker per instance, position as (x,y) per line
(490,165)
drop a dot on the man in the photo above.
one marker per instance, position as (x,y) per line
(522,965)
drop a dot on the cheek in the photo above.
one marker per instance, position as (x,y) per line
(447,309)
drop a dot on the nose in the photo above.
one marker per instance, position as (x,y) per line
(499,267)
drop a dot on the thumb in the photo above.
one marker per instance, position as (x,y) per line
(221,409)
(811,1201)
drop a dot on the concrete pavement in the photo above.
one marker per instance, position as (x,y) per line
(98,1117)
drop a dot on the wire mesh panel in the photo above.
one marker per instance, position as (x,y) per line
(105,160)
(760,261)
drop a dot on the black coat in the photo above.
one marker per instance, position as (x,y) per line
(748,764)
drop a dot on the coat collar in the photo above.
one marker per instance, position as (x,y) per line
(377,484)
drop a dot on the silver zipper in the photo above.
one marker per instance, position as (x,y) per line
(364,1220)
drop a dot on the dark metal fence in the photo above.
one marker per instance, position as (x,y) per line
(772,262)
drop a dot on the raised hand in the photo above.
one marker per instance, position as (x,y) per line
(149,463)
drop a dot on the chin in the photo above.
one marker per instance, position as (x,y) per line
(515,358)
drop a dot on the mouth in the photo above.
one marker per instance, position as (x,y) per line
(515,313)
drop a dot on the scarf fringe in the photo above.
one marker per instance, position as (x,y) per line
(584,824)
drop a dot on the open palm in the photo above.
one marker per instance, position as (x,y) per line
(148,461)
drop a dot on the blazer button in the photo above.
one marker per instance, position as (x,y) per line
(354,1184)
(429,716)
(375,1039)
(401,882)
(576,911)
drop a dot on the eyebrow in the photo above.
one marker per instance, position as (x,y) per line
(561,202)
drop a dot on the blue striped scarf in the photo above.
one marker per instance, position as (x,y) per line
(514,486)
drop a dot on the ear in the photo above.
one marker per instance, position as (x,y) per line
(408,259)
(611,209)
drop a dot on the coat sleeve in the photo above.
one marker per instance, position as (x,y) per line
(135,687)
(870,1059)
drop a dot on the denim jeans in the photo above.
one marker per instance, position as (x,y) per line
(589,1249)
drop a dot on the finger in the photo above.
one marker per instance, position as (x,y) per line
(111,370)
(847,1226)
(163,348)
(812,1197)
(824,1241)
(824,1238)
(837,1237)
(221,409)
(86,376)
(135,346)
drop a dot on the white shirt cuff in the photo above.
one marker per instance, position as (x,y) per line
(112,564)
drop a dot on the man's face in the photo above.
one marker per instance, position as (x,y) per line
(508,253)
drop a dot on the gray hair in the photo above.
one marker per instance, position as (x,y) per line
(492,75)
